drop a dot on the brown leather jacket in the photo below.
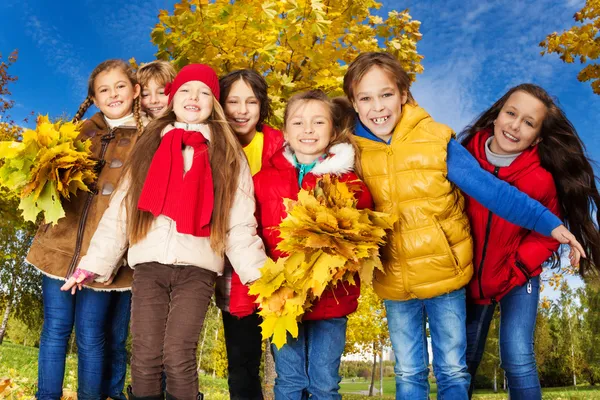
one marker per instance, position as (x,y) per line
(57,250)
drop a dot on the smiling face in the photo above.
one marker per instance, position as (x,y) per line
(193,102)
(518,124)
(114,93)
(154,100)
(378,102)
(242,109)
(308,129)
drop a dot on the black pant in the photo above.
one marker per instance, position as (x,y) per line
(243,341)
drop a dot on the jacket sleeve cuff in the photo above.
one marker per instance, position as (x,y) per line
(248,275)
(547,223)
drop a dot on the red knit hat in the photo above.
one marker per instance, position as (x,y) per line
(194,72)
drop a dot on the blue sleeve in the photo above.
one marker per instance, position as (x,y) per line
(499,197)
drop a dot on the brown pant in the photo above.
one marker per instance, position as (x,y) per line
(169,304)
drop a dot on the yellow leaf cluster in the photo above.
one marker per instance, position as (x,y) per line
(296,45)
(49,163)
(328,241)
(580,41)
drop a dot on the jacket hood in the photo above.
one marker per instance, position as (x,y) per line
(339,161)
(526,162)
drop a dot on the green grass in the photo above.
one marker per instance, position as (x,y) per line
(19,365)
(359,388)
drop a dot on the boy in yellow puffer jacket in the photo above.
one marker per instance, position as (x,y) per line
(415,169)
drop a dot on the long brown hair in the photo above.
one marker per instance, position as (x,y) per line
(225,161)
(258,85)
(104,66)
(562,153)
(342,116)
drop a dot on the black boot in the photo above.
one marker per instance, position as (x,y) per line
(132,397)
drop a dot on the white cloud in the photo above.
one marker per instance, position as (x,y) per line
(58,53)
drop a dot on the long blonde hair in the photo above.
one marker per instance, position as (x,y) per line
(225,160)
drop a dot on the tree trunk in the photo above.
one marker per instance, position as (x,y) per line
(5,321)
(381,372)
(270,373)
(373,371)
(495,379)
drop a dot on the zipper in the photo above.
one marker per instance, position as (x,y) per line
(485,243)
(105,140)
(529,286)
(522,268)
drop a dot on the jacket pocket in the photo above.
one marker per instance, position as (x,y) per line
(448,250)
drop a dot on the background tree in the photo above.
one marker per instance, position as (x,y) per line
(296,44)
(367,331)
(20,283)
(581,41)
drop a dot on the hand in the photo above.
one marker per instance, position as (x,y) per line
(110,280)
(77,280)
(564,236)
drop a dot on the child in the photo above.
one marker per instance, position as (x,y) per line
(99,312)
(414,169)
(246,104)
(526,140)
(318,143)
(178,214)
(153,77)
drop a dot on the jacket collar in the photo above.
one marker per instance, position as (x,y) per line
(527,161)
(411,116)
(339,161)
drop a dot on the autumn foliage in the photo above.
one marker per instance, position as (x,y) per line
(580,42)
(297,45)
(328,241)
(47,165)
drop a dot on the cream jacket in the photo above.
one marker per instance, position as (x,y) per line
(165,245)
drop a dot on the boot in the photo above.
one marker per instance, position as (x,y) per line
(171,397)
(132,397)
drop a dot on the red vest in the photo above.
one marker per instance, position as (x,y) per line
(279,180)
(506,255)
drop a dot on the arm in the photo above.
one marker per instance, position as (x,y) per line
(496,195)
(534,248)
(109,242)
(244,248)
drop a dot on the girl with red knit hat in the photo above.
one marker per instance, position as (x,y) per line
(178,214)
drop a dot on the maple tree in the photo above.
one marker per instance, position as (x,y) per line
(581,41)
(296,45)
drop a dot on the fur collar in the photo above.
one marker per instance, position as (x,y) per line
(340,160)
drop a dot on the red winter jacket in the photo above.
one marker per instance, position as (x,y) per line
(279,180)
(506,255)
(240,304)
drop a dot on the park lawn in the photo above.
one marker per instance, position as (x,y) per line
(18,370)
(358,390)
(18,378)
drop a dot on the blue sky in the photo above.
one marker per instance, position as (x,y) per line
(474,51)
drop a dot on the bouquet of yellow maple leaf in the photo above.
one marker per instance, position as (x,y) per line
(328,241)
(47,165)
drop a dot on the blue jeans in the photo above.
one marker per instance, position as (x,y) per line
(518,312)
(89,311)
(309,364)
(447,325)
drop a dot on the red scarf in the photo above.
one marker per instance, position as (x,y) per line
(188,200)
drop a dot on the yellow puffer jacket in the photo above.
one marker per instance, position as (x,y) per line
(430,250)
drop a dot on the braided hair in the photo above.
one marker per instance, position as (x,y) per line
(91,93)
